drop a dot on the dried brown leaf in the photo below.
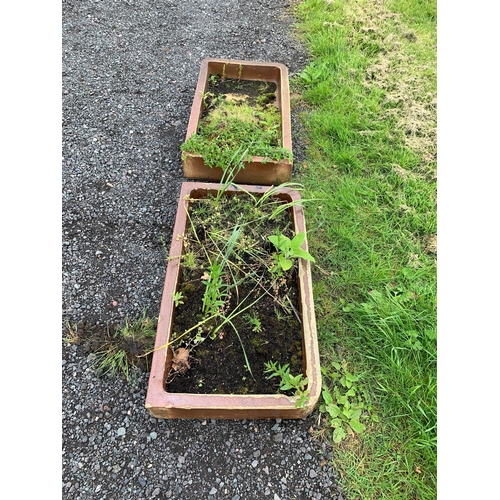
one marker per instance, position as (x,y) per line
(180,363)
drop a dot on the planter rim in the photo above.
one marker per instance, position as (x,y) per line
(245,62)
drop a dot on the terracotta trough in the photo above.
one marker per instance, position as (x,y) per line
(260,170)
(162,404)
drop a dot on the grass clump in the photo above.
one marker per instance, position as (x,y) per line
(118,350)
(237,126)
(369,108)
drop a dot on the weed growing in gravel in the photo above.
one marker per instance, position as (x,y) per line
(118,353)
(72,334)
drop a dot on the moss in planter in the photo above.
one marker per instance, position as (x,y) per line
(239,116)
(269,330)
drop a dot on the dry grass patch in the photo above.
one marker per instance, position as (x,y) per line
(409,83)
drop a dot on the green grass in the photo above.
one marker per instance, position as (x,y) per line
(120,352)
(369,101)
(233,127)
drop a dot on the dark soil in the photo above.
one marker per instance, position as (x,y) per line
(251,91)
(217,364)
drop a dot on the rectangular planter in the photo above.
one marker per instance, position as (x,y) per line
(259,170)
(162,404)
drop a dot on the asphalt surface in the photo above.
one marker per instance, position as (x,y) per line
(129,73)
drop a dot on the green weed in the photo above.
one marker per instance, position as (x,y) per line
(297,383)
(288,249)
(345,406)
(120,352)
(254,322)
(177,296)
(231,127)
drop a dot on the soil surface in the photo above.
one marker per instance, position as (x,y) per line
(129,72)
(248,91)
(263,306)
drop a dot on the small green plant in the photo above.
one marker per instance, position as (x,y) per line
(210,100)
(280,316)
(189,260)
(265,99)
(164,245)
(120,352)
(177,296)
(345,407)
(288,249)
(215,291)
(254,322)
(313,73)
(207,97)
(297,383)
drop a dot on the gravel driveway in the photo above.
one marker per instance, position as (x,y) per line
(129,73)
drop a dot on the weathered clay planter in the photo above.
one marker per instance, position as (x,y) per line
(259,170)
(162,404)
